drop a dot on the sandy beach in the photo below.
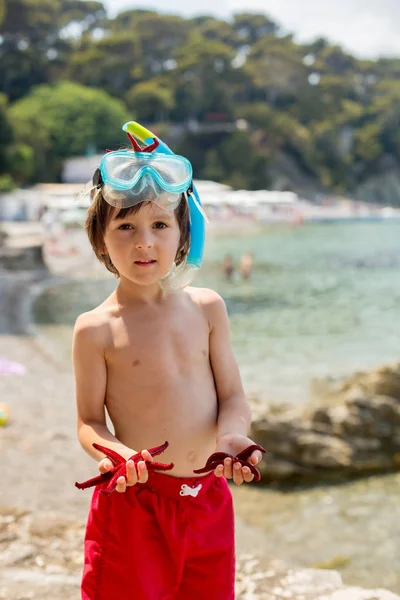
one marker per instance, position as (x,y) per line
(41,456)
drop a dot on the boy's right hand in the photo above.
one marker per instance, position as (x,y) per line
(132,476)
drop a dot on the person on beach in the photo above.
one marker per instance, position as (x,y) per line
(227,267)
(161,363)
(246,265)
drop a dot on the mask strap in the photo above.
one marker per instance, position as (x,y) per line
(86,192)
(189,194)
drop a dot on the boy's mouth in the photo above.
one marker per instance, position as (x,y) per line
(145,263)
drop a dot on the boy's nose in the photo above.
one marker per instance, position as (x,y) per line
(143,243)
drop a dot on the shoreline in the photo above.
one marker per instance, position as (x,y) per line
(41,429)
(34,421)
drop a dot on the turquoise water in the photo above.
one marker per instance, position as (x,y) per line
(323,301)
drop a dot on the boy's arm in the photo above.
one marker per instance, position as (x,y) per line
(234,414)
(90,384)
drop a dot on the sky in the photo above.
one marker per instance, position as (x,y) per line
(366,28)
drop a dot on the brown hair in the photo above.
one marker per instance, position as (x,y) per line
(100,213)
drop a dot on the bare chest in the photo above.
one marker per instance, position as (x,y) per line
(159,347)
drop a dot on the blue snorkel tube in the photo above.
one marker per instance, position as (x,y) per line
(197,216)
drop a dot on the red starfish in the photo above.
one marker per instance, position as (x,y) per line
(120,467)
(218,459)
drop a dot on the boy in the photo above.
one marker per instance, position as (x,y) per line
(162,364)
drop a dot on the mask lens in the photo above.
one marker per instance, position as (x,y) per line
(147,193)
(124,170)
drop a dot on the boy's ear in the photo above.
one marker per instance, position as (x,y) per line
(103,249)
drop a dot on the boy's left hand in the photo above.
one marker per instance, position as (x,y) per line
(233,444)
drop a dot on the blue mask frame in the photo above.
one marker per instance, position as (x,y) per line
(197,222)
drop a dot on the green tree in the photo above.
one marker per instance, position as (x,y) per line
(2,11)
(6,139)
(238,162)
(217,30)
(334,60)
(108,63)
(150,101)
(204,78)
(35,40)
(277,70)
(253,27)
(158,38)
(64,120)
(6,132)
(335,116)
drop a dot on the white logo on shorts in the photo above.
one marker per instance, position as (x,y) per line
(188,491)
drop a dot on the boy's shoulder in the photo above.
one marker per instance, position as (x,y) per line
(93,318)
(93,323)
(210,302)
(204,296)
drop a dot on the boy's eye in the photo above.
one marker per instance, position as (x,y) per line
(160,225)
(125,226)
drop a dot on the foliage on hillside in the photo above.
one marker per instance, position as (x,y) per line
(70,76)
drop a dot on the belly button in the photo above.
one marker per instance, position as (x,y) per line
(191,456)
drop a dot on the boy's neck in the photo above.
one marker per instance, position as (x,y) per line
(130,293)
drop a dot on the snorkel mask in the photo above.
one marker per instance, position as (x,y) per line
(154,173)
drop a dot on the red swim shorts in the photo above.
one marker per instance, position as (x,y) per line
(171,538)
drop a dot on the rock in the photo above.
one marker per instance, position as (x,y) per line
(384,381)
(15,553)
(48,525)
(278,468)
(21,246)
(353,593)
(26,258)
(320,450)
(354,429)
(258,579)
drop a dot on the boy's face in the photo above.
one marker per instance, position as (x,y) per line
(143,245)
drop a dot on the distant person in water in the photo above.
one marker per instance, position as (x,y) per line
(246,265)
(227,267)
